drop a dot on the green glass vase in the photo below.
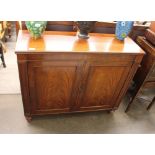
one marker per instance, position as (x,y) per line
(36,28)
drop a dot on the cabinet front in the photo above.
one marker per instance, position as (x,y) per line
(103,85)
(52,85)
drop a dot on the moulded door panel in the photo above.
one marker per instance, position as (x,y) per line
(103,84)
(52,85)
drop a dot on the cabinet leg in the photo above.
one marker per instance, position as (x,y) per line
(28,118)
(3,61)
(5,39)
(129,105)
(150,105)
(110,111)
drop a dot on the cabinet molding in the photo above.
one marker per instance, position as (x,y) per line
(61,77)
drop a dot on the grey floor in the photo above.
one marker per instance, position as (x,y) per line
(137,120)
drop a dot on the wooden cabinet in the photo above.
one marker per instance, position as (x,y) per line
(61,74)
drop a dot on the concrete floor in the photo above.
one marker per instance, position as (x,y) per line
(137,120)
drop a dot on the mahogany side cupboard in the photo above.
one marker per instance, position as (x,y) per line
(60,73)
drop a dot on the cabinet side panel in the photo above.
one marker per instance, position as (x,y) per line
(129,78)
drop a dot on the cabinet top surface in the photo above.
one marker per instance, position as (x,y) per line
(58,41)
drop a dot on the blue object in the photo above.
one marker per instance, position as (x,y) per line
(123,28)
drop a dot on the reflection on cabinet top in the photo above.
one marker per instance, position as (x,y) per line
(58,41)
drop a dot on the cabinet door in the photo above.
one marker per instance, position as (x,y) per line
(103,84)
(52,85)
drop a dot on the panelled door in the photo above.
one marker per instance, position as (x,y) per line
(53,85)
(104,82)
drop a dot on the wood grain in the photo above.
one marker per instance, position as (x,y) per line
(104,84)
(61,74)
(51,85)
(97,43)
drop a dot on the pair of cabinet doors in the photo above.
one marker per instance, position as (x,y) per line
(72,86)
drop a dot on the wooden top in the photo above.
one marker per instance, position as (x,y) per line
(58,41)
